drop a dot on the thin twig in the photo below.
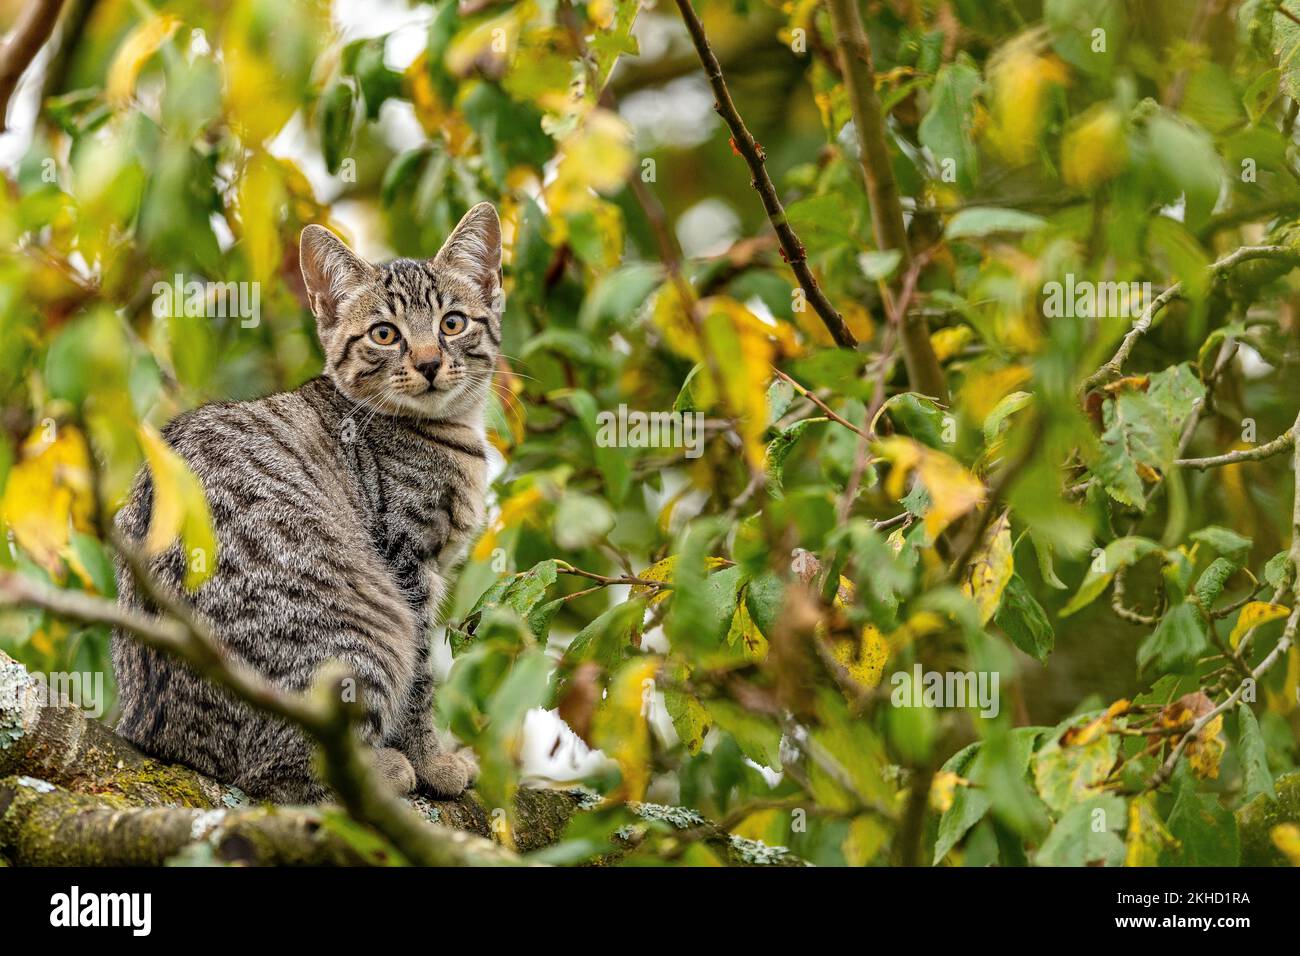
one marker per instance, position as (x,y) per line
(1115,366)
(1278,652)
(1275,447)
(755,158)
(826,409)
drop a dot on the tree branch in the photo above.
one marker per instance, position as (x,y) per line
(854,52)
(1278,445)
(74,793)
(322,714)
(754,156)
(29,34)
(1278,652)
(1115,366)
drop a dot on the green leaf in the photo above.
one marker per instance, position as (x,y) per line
(401,169)
(969,804)
(1206,832)
(878,265)
(1137,439)
(1178,641)
(618,295)
(1187,161)
(993,768)
(1176,391)
(1210,584)
(1087,834)
(334,120)
(690,719)
(778,450)
(701,615)
(1278,572)
(94,558)
(840,370)
(581,520)
(757,736)
(1225,541)
(376,81)
(947,129)
(520,593)
(1120,553)
(613,462)
(1007,406)
(1066,775)
(1023,619)
(1256,777)
(979,221)
(918,416)
(606,640)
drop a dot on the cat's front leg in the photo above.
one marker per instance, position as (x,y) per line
(441,773)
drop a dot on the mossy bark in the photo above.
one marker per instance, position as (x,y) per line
(1256,820)
(73,793)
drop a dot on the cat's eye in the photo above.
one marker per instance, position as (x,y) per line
(453,323)
(385,333)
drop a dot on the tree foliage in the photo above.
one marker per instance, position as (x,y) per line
(1049,454)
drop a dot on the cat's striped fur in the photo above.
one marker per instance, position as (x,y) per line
(339,509)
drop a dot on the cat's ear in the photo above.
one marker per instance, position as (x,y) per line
(474,249)
(329,270)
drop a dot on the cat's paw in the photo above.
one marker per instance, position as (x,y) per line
(395,770)
(446,776)
(471,764)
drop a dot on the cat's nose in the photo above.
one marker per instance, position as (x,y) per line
(430,368)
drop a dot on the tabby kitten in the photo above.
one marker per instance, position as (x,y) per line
(339,509)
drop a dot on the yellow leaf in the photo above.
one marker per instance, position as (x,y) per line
(433,114)
(745,633)
(261,196)
(981,391)
(759,825)
(743,358)
(492,41)
(1205,752)
(49,493)
(865,839)
(991,569)
(1147,834)
(943,788)
(1286,837)
(621,728)
(1020,79)
(1094,149)
(1082,736)
(514,510)
(664,570)
(953,490)
(1253,615)
(140,44)
(180,510)
(948,342)
(864,662)
(595,158)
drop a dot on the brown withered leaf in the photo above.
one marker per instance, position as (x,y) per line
(581,695)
